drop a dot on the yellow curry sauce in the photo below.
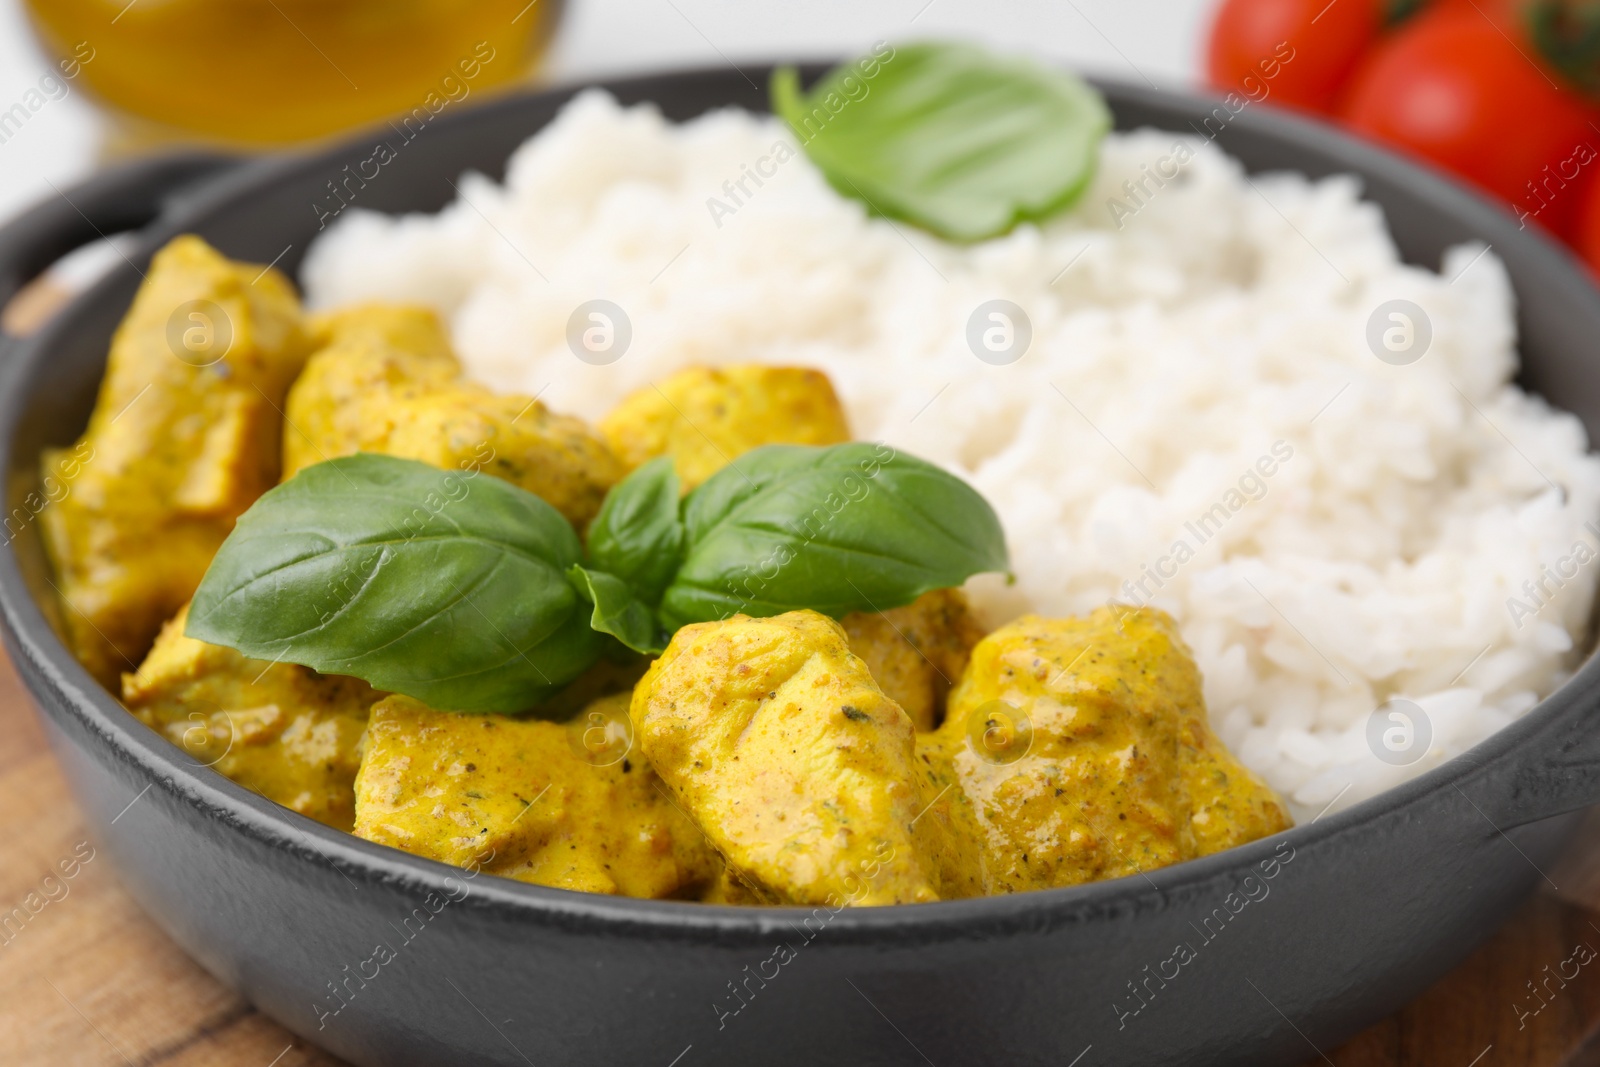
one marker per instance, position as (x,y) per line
(183,438)
(886,758)
(280,729)
(1078,749)
(779,744)
(386,381)
(704,417)
(522,799)
(917,652)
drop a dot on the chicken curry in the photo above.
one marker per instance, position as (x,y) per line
(753,756)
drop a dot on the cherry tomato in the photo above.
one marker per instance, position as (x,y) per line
(1295,52)
(1451,87)
(1586,231)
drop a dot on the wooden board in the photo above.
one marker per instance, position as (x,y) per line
(89,981)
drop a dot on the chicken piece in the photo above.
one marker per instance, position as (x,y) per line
(916,652)
(183,438)
(386,381)
(1079,749)
(705,418)
(556,457)
(776,740)
(366,358)
(564,805)
(282,730)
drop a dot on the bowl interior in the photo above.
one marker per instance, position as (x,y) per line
(271,211)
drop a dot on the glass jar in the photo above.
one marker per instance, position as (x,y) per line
(258,73)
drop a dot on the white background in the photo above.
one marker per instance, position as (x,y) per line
(1152,41)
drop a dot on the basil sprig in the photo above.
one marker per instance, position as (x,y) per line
(954,139)
(471,594)
(447,586)
(618,611)
(637,534)
(854,527)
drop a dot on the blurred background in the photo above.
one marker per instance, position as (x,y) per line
(175,59)
(1504,94)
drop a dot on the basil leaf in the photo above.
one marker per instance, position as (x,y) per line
(852,527)
(617,611)
(956,140)
(442,585)
(638,535)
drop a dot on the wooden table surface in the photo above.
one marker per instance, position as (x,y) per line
(90,981)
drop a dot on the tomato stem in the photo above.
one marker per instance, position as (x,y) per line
(1567,35)
(1397,11)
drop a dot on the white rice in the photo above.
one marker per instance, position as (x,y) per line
(1168,356)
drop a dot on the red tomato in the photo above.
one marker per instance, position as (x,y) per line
(1586,235)
(1450,86)
(1295,52)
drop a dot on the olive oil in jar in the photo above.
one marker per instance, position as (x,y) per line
(272,72)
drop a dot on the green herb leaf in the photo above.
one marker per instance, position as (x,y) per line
(638,535)
(445,586)
(853,527)
(617,611)
(954,139)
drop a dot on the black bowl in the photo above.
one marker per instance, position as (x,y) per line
(1297,941)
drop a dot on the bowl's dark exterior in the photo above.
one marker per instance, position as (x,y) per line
(1261,955)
